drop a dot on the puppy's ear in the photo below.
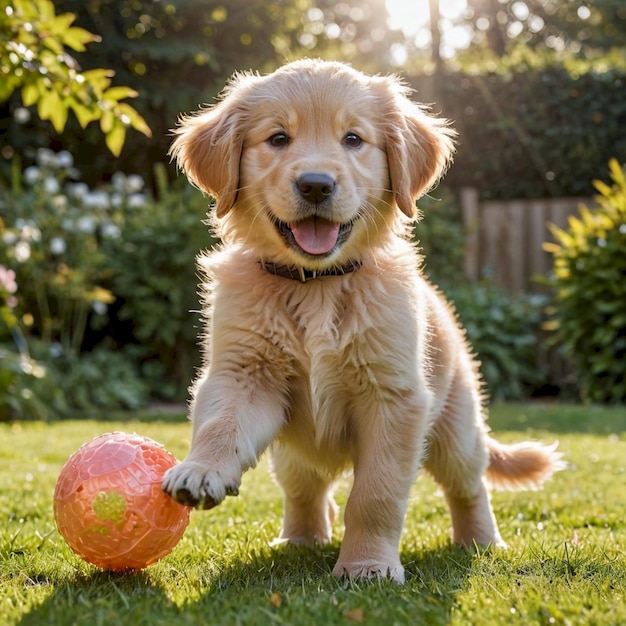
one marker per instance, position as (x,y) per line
(419,148)
(209,143)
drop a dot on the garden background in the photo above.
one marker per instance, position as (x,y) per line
(98,306)
(99,233)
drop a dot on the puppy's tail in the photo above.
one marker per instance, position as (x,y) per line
(525,465)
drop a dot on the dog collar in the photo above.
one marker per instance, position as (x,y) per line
(304,275)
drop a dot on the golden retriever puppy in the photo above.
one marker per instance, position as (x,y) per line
(323,340)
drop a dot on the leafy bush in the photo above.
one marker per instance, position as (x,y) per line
(516,136)
(106,285)
(152,272)
(26,389)
(441,236)
(51,238)
(101,379)
(503,331)
(590,283)
(34,56)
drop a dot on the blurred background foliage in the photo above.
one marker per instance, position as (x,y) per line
(512,76)
(97,277)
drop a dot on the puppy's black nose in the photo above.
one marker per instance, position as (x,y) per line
(315,186)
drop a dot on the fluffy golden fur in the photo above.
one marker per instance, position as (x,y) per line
(316,168)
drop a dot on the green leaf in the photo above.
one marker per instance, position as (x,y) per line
(119,93)
(44,105)
(98,79)
(58,25)
(84,114)
(44,9)
(115,138)
(30,93)
(51,107)
(76,38)
(59,114)
(53,44)
(107,121)
(618,174)
(8,84)
(136,121)
(602,187)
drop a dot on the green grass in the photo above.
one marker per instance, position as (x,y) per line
(565,563)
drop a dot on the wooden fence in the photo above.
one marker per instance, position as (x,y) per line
(504,239)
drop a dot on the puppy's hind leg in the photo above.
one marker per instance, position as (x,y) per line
(457,459)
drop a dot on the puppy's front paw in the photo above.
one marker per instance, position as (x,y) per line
(195,484)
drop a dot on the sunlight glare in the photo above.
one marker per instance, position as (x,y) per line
(411,16)
(413,19)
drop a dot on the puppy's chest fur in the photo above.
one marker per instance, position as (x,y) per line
(332,362)
(336,343)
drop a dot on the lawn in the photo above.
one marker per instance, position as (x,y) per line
(565,563)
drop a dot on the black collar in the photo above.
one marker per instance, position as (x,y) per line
(304,275)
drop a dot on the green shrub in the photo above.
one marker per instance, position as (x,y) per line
(503,332)
(52,232)
(26,389)
(101,379)
(534,125)
(24,385)
(590,283)
(107,280)
(441,237)
(152,272)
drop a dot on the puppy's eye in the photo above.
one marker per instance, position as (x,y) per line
(352,140)
(279,140)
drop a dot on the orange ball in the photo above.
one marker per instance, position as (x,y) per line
(109,506)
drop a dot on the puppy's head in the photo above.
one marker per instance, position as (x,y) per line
(312,164)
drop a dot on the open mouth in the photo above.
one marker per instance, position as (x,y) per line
(314,235)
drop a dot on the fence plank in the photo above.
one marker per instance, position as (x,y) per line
(504,239)
(471,224)
(537,234)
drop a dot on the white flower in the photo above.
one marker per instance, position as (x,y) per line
(110,230)
(65,159)
(59,202)
(78,190)
(51,185)
(86,224)
(134,183)
(30,232)
(96,200)
(22,115)
(22,251)
(100,308)
(118,181)
(127,184)
(58,245)
(116,199)
(55,349)
(9,238)
(31,174)
(136,200)
(46,158)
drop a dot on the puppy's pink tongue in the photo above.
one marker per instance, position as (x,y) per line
(315,235)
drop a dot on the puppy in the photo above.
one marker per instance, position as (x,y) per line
(324,342)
